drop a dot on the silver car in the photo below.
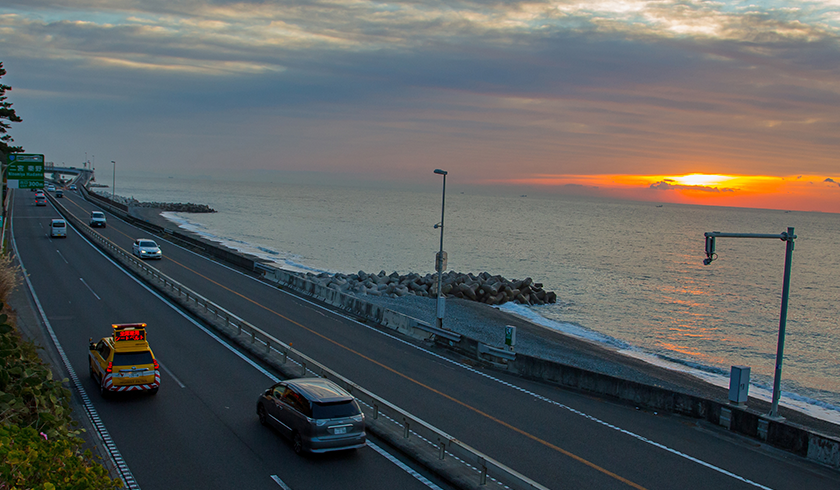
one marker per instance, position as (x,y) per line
(316,414)
(146,249)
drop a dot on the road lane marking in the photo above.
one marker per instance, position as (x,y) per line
(469,407)
(269,375)
(90,289)
(390,457)
(280,482)
(166,369)
(505,424)
(62,257)
(117,460)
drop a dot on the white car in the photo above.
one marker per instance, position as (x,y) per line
(51,188)
(97,219)
(58,228)
(146,248)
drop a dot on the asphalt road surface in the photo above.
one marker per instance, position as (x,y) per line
(201,429)
(559,438)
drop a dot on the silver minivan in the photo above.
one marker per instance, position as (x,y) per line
(315,413)
(58,228)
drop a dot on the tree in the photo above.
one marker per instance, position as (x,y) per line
(6,114)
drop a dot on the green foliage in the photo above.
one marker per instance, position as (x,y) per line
(32,461)
(39,447)
(29,396)
(6,114)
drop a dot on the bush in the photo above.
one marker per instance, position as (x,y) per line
(31,460)
(39,445)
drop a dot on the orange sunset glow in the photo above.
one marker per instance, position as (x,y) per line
(800,193)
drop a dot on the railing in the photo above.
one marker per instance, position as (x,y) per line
(456,461)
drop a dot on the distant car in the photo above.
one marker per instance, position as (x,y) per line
(124,362)
(41,201)
(315,413)
(59,193)
(39,193)
(51,188)
(58,228)
(146,249)
(97,219)
(72,187)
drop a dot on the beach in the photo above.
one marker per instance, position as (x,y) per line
(487,324)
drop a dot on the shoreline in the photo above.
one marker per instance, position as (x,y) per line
(487,324)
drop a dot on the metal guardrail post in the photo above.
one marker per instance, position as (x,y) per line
(482,466)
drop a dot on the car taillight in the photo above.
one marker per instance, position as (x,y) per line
(157,366)
(110,367)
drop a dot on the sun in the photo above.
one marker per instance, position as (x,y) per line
(701,179)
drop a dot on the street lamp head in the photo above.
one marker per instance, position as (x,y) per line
(440,172)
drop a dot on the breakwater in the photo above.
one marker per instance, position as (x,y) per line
(175,207)
(484,287)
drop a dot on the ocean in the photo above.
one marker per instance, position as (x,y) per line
(627,274)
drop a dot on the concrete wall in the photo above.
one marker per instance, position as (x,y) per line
(779,433)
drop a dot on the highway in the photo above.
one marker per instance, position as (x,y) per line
(560,439)
(201,429)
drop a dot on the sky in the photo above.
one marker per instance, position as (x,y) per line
(722,103)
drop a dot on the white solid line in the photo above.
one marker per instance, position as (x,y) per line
(90,289)
(390,457)
(280,482)
(62,257)
(171,375)
(560,405)
(111,448)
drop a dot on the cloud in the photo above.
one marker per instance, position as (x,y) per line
(831,181)
(666,185)
(656,87)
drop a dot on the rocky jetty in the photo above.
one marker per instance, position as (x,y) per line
(484,287)
(175,207)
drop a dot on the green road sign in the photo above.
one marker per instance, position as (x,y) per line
(25,171)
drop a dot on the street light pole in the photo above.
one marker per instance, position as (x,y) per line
(439,262)
(114,183)
(788,237)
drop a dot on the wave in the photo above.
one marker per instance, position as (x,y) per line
(288,262)
(712,374)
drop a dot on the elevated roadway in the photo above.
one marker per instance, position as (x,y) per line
(558,438)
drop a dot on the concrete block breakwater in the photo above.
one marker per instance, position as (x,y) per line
(175,207)
(484,287)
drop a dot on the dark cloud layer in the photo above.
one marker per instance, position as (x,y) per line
(555,87)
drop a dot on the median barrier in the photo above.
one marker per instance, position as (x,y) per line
(779,433)
(450,458)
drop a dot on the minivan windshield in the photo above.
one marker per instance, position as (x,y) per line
(58,224)
(97,214)
(334,410)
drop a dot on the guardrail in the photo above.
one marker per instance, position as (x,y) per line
(450,458)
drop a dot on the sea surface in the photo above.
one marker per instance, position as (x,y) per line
(627,274)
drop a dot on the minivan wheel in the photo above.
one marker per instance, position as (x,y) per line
(297,444)
(103,391)
(261,415)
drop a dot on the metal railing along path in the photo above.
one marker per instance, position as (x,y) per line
(446,455)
